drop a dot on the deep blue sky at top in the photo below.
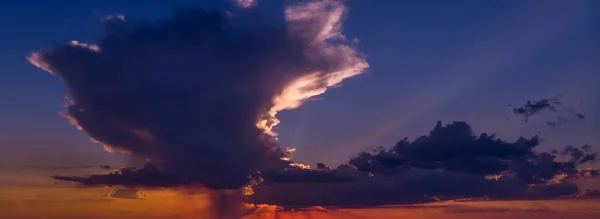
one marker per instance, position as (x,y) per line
(430,60)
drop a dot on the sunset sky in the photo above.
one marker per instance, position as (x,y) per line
(428,61)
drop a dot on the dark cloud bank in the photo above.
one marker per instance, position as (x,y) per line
(196,94)
(451,162)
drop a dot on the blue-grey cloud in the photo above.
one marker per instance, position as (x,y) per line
(562,116)
(531,108)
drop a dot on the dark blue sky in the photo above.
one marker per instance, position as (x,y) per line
(430,60)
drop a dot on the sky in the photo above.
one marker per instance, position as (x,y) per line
(428,61)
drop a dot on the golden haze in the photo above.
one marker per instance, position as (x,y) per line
(65,202)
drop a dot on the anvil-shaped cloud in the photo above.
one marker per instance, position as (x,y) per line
(197,93)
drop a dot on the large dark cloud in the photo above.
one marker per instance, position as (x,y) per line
(197,93)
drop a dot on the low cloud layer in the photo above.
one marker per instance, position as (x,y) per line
(148,177)
(451,162)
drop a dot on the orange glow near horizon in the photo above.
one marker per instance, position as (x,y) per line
(43,199)
(66,202)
